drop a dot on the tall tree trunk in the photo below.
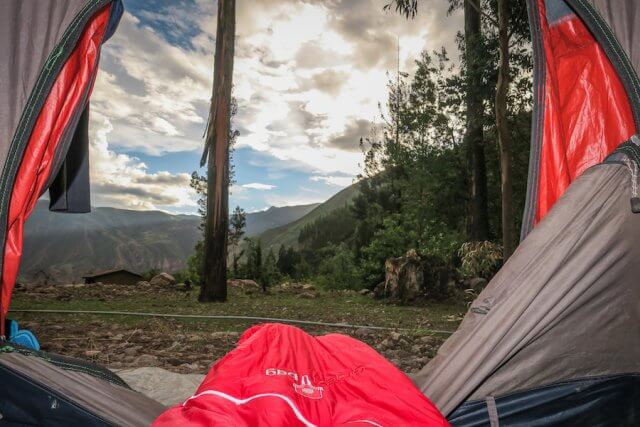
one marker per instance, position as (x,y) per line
(474,138)
(504,137)
(214,286)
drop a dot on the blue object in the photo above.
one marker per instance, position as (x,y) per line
(22,337)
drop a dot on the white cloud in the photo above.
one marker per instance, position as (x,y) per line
(338,181)
(308,78)
(258,186)
(123,181)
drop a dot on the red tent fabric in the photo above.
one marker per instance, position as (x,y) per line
(280,376)
(71,88)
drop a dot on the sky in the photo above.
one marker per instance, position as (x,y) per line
(308,79)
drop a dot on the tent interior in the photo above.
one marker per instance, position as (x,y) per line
(552,340)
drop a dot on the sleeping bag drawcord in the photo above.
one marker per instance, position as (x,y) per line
(230,317)
(633,170)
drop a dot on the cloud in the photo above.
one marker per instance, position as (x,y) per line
(338,181)
(123,181)
(349,138)
(259,186)
(308,79)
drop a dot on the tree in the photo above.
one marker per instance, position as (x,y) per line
(478,227)
(409,8)
(199,185)
(474,135)
(237,223)
(270,273)
(217,143)
(253,257)
(504,137)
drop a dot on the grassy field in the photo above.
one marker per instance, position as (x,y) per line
(119,341)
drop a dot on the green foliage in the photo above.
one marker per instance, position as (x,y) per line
(480,259)
(270,274)
(288,259)
(408,8)
(338,270)
(194,264)
(415,187)
(237,223)
(331,229)
(253,256)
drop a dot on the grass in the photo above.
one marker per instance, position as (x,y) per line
(191,345)
(330,307)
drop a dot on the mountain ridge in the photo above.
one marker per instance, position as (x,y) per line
(65,247)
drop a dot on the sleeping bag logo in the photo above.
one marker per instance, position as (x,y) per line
(306,389)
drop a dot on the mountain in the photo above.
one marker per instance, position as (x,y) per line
(288,234)
(259,222)
(67,246)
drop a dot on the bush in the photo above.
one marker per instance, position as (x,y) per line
(339,271)
(480,259)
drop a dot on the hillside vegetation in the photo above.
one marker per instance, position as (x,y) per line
(66,246)
(287,235)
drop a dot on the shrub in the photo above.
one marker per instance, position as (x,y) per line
(480,259)
(340,271)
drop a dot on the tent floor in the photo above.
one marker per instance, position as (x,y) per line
(603,401)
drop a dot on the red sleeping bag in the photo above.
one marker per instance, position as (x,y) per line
(280,376)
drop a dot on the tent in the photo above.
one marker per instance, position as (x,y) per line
(50,52)
(552,340)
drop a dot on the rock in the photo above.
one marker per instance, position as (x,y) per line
(243,284)
(92,353)
(362,332)
(476,283)
(163,280)
(307,295)
(380,290)
(308,287)
(395,336)
(132,351)
(143,284)
(412,275)
(364,291)
(386,344)
(147,360)
(404,277)
(427,340)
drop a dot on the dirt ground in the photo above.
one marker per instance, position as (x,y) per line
(193,345)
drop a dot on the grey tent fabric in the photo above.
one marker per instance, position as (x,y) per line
(623,17)
(561,308)
(28,50)
(112,403)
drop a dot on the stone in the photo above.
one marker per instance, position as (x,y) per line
(243,284)
(308,287)
(476,283)
(132,351)
(92,353)
(386,344)
(147,360)
(307,295)
(364,291)
(143,284)
(163,280)
(395,336)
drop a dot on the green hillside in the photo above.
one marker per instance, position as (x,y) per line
(288,234)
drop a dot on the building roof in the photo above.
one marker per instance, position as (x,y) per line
(106,272)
